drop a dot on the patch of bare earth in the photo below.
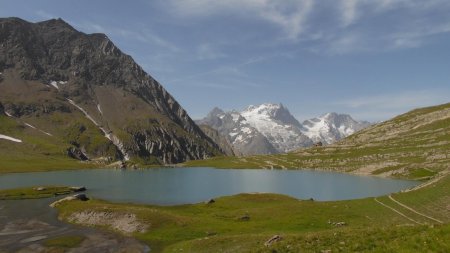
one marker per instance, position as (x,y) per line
(126,223)
(370,168)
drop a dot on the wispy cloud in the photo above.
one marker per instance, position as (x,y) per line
(44,14)
(207,51)
(384,106)
(349,11)
(290,15)
(144,35)
(353,26)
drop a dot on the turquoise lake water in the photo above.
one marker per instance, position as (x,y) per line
(170,186)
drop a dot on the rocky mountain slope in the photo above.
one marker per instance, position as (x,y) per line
(245,139)
(219,139)
(93,100)
(271,128)
(413,145)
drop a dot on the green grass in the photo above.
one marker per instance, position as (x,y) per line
(33,193)
(64,242)
(387,239)
(305,225)
(41,152)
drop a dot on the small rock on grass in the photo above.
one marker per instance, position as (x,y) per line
(272,240)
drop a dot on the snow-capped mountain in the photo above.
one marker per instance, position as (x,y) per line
(271,128)
(277,124)
(245,139)
(331,127)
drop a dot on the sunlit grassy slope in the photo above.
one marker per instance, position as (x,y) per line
(413,145)
(242,223)
(39,151)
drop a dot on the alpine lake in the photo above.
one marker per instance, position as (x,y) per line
(174,186)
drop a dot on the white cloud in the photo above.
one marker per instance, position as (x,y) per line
(291,15)
(349,11)
(418,35)
(351,26)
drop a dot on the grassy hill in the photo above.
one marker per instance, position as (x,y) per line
(414,221)
(413,145)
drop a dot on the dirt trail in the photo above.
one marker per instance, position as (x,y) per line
(438,177)
(414,211)
(397,211)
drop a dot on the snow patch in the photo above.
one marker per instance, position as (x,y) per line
(99,109)
(9,138)
(246,130)
(233,134)
(116,141)
(235,116)
(55,83)
(30,125)
(8,114)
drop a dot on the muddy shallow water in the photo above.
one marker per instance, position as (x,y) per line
(26,224)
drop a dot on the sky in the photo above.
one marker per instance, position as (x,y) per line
(372,59)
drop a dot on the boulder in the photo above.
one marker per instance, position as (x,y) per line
(272,240)
(246,217)
(78,188)
(211,201)
(76,153)
(81,196)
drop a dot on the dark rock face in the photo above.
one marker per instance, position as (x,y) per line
(283,115)
(115,92)
(223,142)
(76,154)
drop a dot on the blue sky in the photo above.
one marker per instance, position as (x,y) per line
(372,59)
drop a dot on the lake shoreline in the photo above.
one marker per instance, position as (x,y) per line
(172,186)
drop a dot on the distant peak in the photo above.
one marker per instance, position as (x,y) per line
(329,114)
(216,111)
(334,115)
(56,22)
(264,107)
(13,19)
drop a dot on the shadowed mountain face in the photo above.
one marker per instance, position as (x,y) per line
(95,99)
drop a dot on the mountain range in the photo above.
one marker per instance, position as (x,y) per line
(270,128)
(66,95)
(69,94)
